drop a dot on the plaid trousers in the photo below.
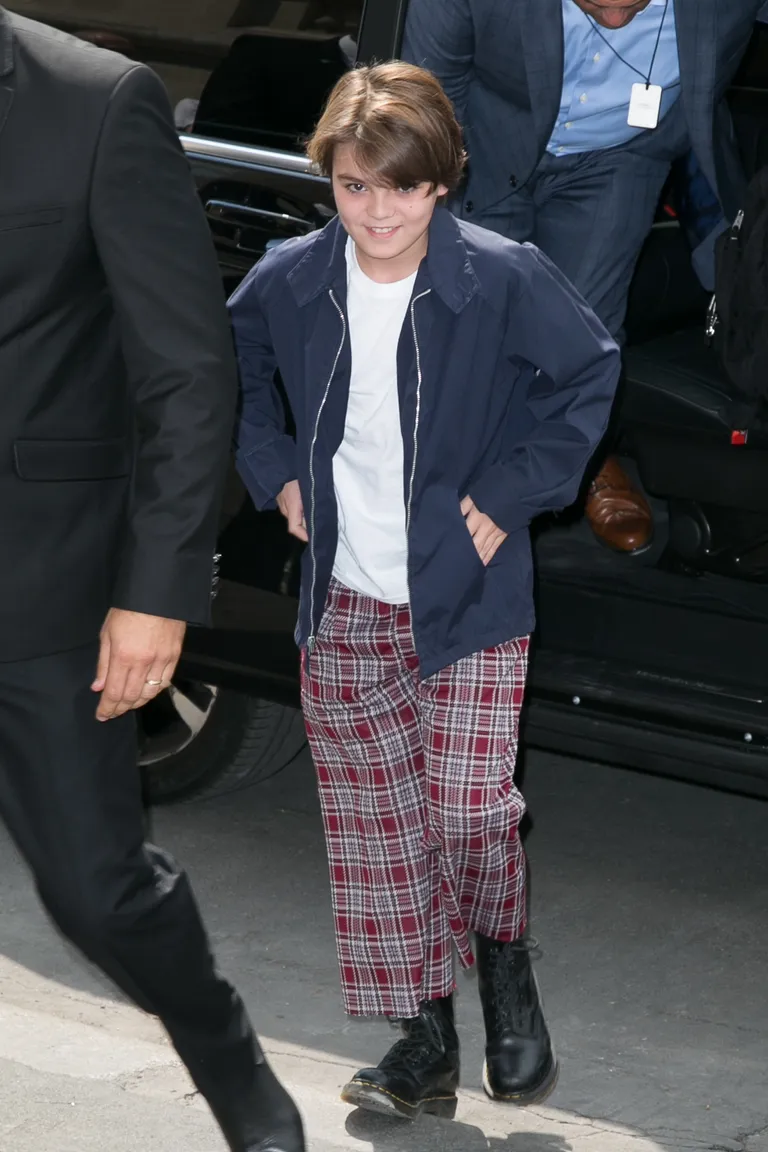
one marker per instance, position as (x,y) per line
(418,799)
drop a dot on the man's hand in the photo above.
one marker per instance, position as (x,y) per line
(486,536)
(137,660)
(290,504)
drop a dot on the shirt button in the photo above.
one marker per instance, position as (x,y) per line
(569,124)
(583,98)
(596,57)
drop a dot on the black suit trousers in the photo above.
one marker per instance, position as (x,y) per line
(70,795)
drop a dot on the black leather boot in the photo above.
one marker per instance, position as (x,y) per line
(264,1119)
(253,1110)
(520,1065)
(420,1073)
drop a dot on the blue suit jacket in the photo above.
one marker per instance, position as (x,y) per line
(501,62)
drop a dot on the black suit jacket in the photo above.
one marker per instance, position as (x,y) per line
(117,375)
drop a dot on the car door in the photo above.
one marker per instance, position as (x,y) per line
(246,80)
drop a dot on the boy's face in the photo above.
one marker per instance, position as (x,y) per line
(388,225)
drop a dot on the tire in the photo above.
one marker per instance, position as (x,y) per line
(197,741)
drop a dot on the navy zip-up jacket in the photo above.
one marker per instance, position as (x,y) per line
(505,379)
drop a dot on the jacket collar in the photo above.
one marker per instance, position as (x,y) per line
(6,44)
(447,269)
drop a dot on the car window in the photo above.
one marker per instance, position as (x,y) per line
(253,71)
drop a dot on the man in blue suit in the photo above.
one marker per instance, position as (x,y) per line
(574,111)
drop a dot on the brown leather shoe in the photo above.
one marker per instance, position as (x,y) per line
(618,514)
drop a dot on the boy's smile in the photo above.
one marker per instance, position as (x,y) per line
(388,225)
(379,233)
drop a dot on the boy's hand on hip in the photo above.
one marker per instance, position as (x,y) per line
(137,660)
(486,536)
(290,504)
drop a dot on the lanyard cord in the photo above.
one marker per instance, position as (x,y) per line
(626,63)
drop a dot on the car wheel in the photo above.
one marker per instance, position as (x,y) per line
(196,740)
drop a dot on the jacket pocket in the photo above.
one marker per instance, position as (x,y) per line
(38,217)
(467,541)
(72,459)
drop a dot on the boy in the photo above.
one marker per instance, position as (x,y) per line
(447,386)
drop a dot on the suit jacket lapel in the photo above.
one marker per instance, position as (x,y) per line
(6,67)
(6,99)
(541,28)
(697,49)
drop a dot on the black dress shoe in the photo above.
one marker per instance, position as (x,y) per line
(263,1119)
(420,1073)
(520,1065)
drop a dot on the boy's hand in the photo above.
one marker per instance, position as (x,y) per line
(487,537)
(290,504)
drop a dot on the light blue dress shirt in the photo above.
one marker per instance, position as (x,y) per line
(597,86)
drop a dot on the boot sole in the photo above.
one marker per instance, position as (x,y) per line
(523,1099)
(372,1099)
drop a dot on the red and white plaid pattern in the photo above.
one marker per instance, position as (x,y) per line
(420,808)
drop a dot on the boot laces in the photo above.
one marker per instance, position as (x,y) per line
(513,988)
(421,1042)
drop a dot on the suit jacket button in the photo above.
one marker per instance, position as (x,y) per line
(513,181)
(469,206)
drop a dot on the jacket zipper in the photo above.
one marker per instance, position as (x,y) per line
(342,317)
(416,422)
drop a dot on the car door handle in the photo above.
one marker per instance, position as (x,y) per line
(241,215)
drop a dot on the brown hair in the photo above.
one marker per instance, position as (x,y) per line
(399,123)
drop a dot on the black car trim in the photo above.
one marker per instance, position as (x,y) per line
(382,22)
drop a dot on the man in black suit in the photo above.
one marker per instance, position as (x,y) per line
(117,398)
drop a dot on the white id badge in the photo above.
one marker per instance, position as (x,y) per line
(645,106)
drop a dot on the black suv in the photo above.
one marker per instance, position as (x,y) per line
(655,661)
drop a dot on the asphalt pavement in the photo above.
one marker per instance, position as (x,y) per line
(650,901)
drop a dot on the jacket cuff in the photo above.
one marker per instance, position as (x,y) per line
(489,497)
(266,469)
(177,588)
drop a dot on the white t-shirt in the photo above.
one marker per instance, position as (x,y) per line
(372,553)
